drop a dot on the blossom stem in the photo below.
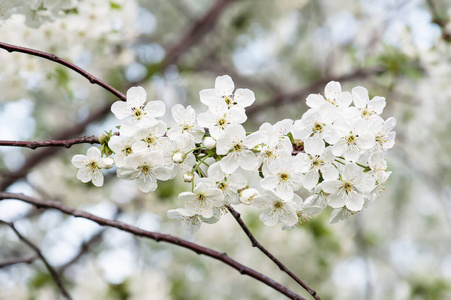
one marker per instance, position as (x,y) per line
(257,244)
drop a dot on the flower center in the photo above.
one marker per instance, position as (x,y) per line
(93,165)
(221,123)
(145,169)
(201,197)
(237,147)
(222,185)
(278,204)
(151,140)
(186,127)
(347,187)
(137,112)
(318,128)
(127,150)
(284,176)
(351,139)
(229,100)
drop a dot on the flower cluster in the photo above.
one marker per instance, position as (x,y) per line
(334,154)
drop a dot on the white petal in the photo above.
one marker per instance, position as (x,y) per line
(121,109)
(207,96)
(229,163)
(311,179)
(136,96)
(360,96)
(244,97)
(79,160)
(224,85)
(155,108)
(314,145)
(315,100)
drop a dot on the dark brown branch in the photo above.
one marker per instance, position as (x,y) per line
(41,154)
(52,143)
(15,261)
(158,237)
(440,21)
(38,252)
(196,32)
(92,79)
(314,87)
(257,244)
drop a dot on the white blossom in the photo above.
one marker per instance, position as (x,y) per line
(90,166)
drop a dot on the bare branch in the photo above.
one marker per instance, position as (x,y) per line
(196,32)
(257,244)
(52,143)
(158,237)
(92,79)
(38,252)
(14,261)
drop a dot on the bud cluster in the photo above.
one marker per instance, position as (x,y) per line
(334,154)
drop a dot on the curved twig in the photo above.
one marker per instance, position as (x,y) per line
(158,237)
(15,261)
(257,244)
(38,252)
(52,143)
(92,79)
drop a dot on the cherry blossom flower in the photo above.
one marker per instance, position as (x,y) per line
(284,176)
(90,166)
(233,144)
(276,209)
(350,189)
(145,168)
(202,200)
(223,94)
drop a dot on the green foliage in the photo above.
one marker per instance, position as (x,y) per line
(118,291)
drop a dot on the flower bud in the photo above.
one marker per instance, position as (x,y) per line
(103,138)
(247,195)
(188,176)
(178,157)
(209,142)
(258,148)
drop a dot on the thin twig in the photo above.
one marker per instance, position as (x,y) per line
(257,244)
(15,261)
(55,276)
(52,143)
(84,248)
(92,79)
(158,237)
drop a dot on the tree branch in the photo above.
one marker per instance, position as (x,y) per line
(257,244)
(38,252)
(440,21)
(196,32)
(158,237)
(52,143)
(92,79)
(14,261)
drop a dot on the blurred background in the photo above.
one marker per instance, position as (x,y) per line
(397,248)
